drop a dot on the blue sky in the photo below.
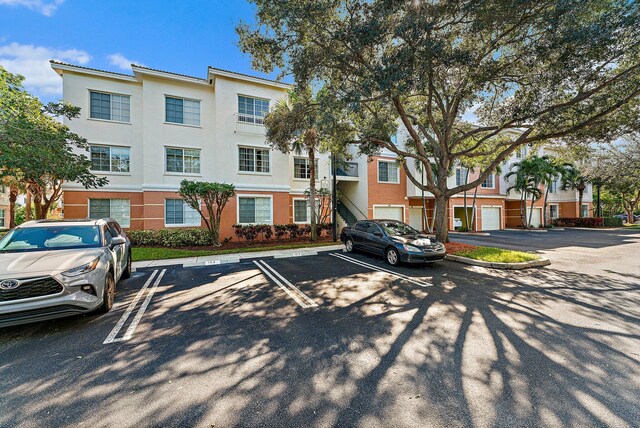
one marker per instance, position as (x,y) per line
(180,36)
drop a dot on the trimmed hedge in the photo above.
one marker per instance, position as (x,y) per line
(170,237)
(200,236)
(613,222)
(579,222)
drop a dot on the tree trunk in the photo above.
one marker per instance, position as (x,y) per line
(544,206)
(312,186)
(466,216)
(441,219)
(533,200)
(473,208)
(523,205)
(13,196)
(424,206)
(27,211)
(580,195)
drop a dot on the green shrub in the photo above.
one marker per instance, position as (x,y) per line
(170,237)
(579,222)
(613,222)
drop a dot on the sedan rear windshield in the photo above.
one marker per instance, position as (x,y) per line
(50,238)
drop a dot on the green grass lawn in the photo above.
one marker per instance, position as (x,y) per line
(139,254)
(497,255)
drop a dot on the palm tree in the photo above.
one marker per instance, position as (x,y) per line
(572,178)
(528,178)
(550,170)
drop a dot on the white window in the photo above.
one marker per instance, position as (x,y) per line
(489,182)
(254,160)
(181,110)
(302,210)
(254,210)
(388,172)
(186,161)
(110,159)
(584,210)
(117,209)
(2,221)
(301,168)
(109,106)
(252,110)
(461,176)
(178,213)
(553,186)
(553,211)
(521,152)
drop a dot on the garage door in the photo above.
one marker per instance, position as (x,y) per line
(415,217)
(536,219)
(491,218)
(389,213)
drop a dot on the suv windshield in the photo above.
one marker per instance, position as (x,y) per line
(394,228)
(50,238)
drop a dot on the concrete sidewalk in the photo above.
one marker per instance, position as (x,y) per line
(235,258)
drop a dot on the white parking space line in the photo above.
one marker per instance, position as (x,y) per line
(134,324)
(116,329)
(380,269)
(298,296)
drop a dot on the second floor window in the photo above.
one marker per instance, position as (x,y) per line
(186,161)
(553,187)
(388,172)
(489,182)
(182,111)
(252,110)
(110,107)
(461,176)
(253,160)
(301,168)
(110,159)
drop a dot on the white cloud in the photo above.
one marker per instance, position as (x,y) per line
(121,61)
(47,8)
(33,63)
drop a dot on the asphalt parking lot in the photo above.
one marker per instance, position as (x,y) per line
(345,340)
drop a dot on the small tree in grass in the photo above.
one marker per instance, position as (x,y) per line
(214,196)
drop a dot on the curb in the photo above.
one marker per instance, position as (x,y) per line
(235,258)
(528,230)
(452,232)
(495,265)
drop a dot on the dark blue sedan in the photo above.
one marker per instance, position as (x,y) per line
(396,241)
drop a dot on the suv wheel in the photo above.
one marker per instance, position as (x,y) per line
(109,294)
(127,270)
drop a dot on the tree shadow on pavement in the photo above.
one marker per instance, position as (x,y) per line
(479,348)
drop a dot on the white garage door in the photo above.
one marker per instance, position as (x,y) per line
(491,218)
(415,217)
(389,213)
(536,219)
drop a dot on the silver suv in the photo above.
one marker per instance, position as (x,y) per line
(52,269)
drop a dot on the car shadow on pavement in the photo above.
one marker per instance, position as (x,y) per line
(480,347)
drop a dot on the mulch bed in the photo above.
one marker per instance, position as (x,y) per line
(456,247)
(254,244)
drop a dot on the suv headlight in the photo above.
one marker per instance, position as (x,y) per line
(92,265)
(412,249)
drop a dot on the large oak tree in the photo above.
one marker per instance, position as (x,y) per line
(531,71)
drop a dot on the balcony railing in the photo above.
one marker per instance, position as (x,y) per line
(249,124)
(350,169)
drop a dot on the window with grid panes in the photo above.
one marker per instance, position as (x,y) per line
(252,110)
(110,159)
(253,160)
(254,210)
(109,106)
(183,111)
(180,160)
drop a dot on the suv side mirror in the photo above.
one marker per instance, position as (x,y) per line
(117,240)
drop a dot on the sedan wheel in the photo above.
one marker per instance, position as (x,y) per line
(349,245)
(392,256)
(109,294)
